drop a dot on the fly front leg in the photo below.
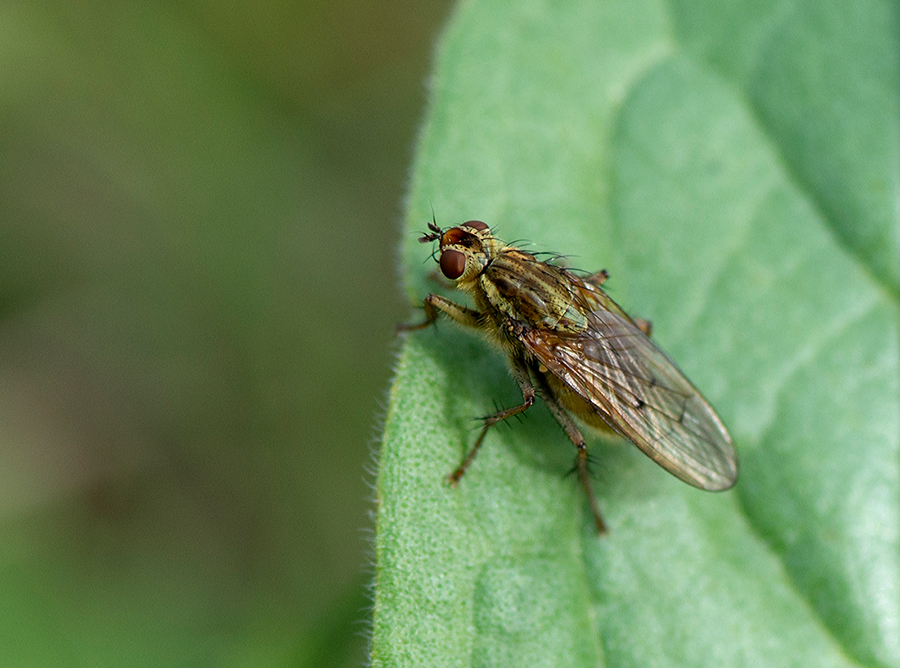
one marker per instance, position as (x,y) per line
(467,317)
(520,373)
(581,458)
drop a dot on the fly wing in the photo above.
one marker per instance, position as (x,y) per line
(639,392)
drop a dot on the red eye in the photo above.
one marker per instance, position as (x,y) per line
(453,264)
(453,236)
(476,225)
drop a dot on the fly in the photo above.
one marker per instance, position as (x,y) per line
(570,344)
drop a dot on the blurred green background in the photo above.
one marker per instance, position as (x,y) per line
(199,217)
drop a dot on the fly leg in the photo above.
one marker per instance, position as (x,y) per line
(644,325)
(599,279)
(467,317)
(581,459)
(435,304)
(520,373)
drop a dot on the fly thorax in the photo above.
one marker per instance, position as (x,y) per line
(529,293)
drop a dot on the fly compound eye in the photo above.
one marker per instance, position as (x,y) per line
(453,264)
(453,236)
(476,225)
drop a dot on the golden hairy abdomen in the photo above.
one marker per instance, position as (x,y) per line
(573,402)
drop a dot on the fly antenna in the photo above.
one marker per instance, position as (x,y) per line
(434,234)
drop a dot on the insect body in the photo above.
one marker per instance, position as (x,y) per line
(573,346)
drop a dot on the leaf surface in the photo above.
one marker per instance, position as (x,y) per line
(734,167)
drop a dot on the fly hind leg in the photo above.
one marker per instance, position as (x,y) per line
(581,458)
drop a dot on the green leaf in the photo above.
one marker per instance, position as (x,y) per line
(735,167)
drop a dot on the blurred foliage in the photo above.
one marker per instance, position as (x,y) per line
(197,300)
